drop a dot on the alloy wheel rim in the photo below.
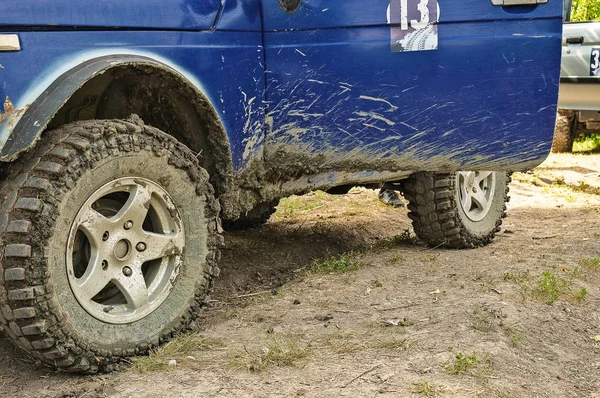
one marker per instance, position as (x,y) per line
(476,193)
(124,250)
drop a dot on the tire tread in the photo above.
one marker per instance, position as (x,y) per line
(29,315)
(435,221)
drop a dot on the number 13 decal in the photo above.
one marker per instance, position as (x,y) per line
(422,7)
(413,24)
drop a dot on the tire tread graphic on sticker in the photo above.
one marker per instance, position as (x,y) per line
(439,216)
(42,196)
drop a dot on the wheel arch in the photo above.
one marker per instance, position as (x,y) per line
(115,86)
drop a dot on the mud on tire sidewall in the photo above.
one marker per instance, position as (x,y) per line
(488,225)
(82,325)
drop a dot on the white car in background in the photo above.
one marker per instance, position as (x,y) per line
(579,95)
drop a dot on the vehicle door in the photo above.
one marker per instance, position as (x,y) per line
(580,54)
(410,84)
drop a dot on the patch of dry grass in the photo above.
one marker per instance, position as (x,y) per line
(177,349)
(427,389)
(338,264)
(276,353)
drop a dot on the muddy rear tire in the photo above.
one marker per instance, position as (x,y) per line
(564,133)
(254,218)
(458,210)
(124,207)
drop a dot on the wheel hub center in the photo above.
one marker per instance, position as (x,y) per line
(122,249)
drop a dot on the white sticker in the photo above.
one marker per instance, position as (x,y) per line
(413,24)
(595,62)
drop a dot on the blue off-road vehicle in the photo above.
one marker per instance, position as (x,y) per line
(132,132)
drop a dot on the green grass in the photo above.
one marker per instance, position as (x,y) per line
(462,364)
(516,339)
(396,260)
(482,324)
(558,187)
(178,348)
(586,188)
(376,283)
(587,143)
(426,389)
(294,204)
(518,277)
(591,264)
(550,287)
(529,179)
(581,295)
(338,264)
(522,279)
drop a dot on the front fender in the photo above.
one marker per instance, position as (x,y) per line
(27,124)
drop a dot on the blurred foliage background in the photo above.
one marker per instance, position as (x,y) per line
(585,10)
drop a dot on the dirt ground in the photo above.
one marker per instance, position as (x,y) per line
(518,318)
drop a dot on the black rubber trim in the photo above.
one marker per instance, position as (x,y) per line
(41,111)
(575,40)
(580,80)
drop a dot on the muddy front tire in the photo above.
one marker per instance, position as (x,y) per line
(110,244)
(458,210)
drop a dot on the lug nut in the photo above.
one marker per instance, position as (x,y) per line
(104,265)
(474,189)
(128,224)
(105,236)
(127,271)
(141,246)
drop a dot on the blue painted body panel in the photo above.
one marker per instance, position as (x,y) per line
(211,60)
(241,15)
(486,98)
(159,14)
(238,15)
(325,14)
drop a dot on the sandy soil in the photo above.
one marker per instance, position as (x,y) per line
(517,318)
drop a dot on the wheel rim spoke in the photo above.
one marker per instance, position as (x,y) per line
(160,246)
(95,278)
(480,200)
(482,176)
(133,288)
(136,207)
(466,199)
(94,224)
(476,193)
